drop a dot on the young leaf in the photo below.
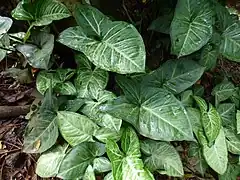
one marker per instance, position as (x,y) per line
(211,120)
(175,75)
(162,24)
(45,80)
(49,162)
(89,83)
(230,42)
(191,27)
(186,98)
(227,113)
(101,165)
(160,115)
(65,74)
(127,164)
(238,121)
(89,174)
(78,159)
(112,46)
(233,140)
(195,118)
(66,88)
(42,130)
(109,176)
(223,91)
(39,55)
(42,12)
(76,128)
(197,159)
(162,156)
(103,134)
(216,155)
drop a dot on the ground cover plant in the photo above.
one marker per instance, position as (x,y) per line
(112,117)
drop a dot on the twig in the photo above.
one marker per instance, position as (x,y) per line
(13,111)
(128,15)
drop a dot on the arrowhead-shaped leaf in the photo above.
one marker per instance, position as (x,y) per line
(162,156)
(233,140)
(42,12)
(227,113)
(113,46)
(76,128)
(191,27)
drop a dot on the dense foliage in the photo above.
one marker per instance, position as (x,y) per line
(141,125)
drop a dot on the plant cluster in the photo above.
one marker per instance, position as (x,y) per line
(84,128)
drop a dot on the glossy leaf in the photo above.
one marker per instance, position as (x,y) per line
(49,162)
(191,27)
(216,155)
(195,119)
(101,164)
(127,164)
(65,74)
(109,176)
(103,134)
(223,91)
(231,42)
(5,25)
(41,12)
(66,88)
(73,105)
(79,158)
(45,80)
(233,140)
(162,156)
(227,113)
(187,98)
(160,115)
(176,75)
(39,55)
(89,83)
(113,46)
(76,128)
(42,131)
(89,174)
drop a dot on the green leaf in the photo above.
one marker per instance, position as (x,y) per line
(175,75)
(209,55)
(235,98)
(101,164)
(162,24)
(89,83)
(82,61)
(76,128)
(198,90)
(42,12)
(45,80)
(78,159)
(162,156)
(5,25)
(216,155)
(230,42)
(233,140)
(227,113)
(186,98)
(211,120)
(238,121)
(42,131)
(160,115)
(232,172)
(113,46)
(223,18)
(191,27)
(65,74)
(73,105)
(223,91)
(49,162)
(195,118)
(4,43)
(103,134)
(39,55)
(66,88)
(89,174)
(127,164)
(196,158)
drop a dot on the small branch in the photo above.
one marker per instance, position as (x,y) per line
(13,111)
